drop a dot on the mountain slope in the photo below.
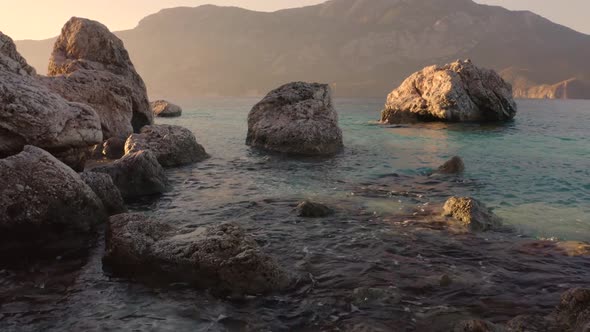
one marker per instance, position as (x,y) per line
(361,47)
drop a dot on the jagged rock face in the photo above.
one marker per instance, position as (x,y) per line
(31,114)
(172,145)
(297,118)
(220,257)
(456,92)
(44,202)
(472,213)
(90,65)
(105,189)
(165,109)
(136,174)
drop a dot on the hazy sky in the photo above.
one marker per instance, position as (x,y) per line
(38,19)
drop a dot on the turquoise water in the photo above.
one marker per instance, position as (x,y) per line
(534,171)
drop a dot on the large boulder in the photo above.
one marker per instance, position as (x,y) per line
(172,145)
(31,114)
(105,189)
(165,109)
(136,174)
(220,257)
(471,213)
(297,118)
(456,92)
(90,65)
(44,203)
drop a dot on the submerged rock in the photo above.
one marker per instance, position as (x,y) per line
(297,118)
(90,65)
(172,145)
(456,92)
(165,109)
(113,148)
(453,166)
(309,209)
(471,213)
(220,257)
(105,189)
(30,114)
(477,326)
(136,174)
(44,203)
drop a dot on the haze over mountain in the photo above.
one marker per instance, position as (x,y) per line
(360,47)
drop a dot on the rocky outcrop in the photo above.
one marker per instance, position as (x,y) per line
(454,165)
(471,213)
(136,174)
(297,118)
(219,257)
(90,65)
(44,203)
(113,148)
(105,189)
(165,109)
(172,145)
(456,92)
(30,114)
(309,209)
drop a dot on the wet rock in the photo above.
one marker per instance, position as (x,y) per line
(477,326)
(172,145)
(566,248)
(136,174)
(105,189)
(456,92)
(297,118)
(531,323)
(30,114)
(165,109)
(90,65)
(309,209)
(471,213)
(453,166)
(44,203)
(573,311)
(220,257)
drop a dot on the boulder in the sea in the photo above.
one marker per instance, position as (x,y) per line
(136,174)
(220,257)
(573,311)
(454,165)
(44,204)
(532,323)
(477,326)
(30,114)
(471,213)
(105,189)
(113,148)
(456,92)
(297,118)
(90,65)
(308,209)
(165,109)
(172,145)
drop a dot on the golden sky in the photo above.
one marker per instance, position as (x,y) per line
(39,19)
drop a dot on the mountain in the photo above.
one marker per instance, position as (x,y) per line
(360,47)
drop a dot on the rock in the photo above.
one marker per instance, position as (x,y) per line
(172,145)
(456,92)
(531,323)
(105,189)
(453,166)
(30,114)
(309,209)
(297,118)
(165,109)
(113,148)
(574,310)
(90,65)
(220,257)
(136,174)
(477,326)
(471,213)
(44,204)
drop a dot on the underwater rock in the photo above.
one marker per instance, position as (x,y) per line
(136,174)
(453,166)
(172,145)
(105,189)
(471,213)
(113,148)
(456,92)
(165,109)
(296,118)
(309,209)
(221,257)
(477,326)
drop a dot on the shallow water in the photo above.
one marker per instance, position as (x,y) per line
(375,265)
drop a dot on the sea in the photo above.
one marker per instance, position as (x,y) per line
(381,263)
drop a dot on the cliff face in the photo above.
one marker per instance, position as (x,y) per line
(360,47)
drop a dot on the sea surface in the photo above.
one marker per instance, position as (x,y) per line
(380,263)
